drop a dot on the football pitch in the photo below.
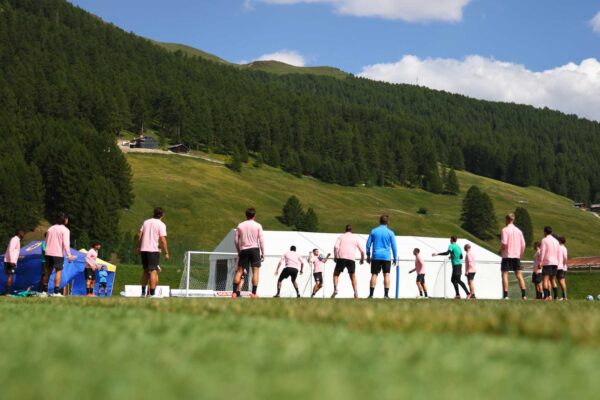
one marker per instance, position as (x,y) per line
(76,348)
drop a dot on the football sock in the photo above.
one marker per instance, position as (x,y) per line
(425,294)
(523,292)
(387,292)
(45,288)
(420,293)
(152,291)
(254,288)
(505,294)
(546,293)
(555,293)
(278,291)
(371,291)
(564,294)
(56,290)
(143,290)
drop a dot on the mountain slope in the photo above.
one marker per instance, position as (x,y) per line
(204,201)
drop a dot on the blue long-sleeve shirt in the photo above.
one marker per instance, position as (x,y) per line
(383,241)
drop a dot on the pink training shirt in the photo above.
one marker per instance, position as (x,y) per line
(564,257)
(513,242)
(291,259)
(11,255)
(419,265)
(249,235)
(346,246)
(58,241)
(318,265)
(550,252)
(537,262)
(470,263)
(152,230)
(90,259)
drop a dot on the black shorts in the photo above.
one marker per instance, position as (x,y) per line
(150,260)
(318,277)
(9,268)
(457,271)
(536,278)
(549,270)
(421,278)
(380,265)
(288,273)
(90,274)
(471,276)
(342,264)
(56,263)
(510,264)
(561,274)
(102,285)
(249,258)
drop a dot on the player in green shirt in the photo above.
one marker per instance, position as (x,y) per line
(456,256)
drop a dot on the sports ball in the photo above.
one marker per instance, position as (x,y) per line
(598,297)
(590,298)
(321,258)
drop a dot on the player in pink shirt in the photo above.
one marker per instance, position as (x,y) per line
(561,273)
(550,255)
(536,276)
(512,250)
(90,268)
(250,245)
(470,270)
(292,262)
(11,258)
(318,263)
(344,254)
(152,236)
(58,245)
(420,270)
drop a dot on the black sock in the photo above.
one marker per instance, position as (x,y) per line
(278,291)
(555,292)
(387,292)
(546,293)
(420,293)
(564,294)
(523,292)
(425,293)
(152,292)
(143,290)
(254,288)
(505,294)
(371,291)
(297,290)
(45,288)
(56,290)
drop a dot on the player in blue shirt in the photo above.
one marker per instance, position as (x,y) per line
(102,281)
(383,242)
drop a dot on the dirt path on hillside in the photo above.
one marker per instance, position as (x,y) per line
(127,149)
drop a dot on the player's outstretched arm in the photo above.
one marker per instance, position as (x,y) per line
(165,247)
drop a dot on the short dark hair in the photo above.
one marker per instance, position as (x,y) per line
(158,212)
(384,219)
(19,231)
(467,246)
(250,213)
(536,244)
(61,217)
(293,248)
(417,250)
(562,239)
(315,250)
(349,228)
(95,243)
(548,230)
(453,238)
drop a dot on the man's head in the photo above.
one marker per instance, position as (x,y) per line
(536,245)
(547,230)
(562,239)
(250,213)
(103,268)
(20,233)
(467,247)
(348,228)
(158,213)
(316,252)
(293,248)
(384,219)
(62,218)
(416,251)
(96,245)
(453,239)
(509,218)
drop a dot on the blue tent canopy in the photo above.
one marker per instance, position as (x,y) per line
(29,272)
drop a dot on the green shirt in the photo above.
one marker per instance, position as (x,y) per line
(455,254)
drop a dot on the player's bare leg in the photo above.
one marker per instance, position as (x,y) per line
(316,288)
(57,278)
(563,287)
(505,281)
(144,282)
(354,286)
(554,287)
(336,278)
(386,284)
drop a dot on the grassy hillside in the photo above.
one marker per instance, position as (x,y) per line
(320,349)
(274,67)
(204,201)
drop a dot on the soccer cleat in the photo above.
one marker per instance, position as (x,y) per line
(549,298)
(370,297)
(253,296)
(457,297)
(506,298)
(156,296)
(334,294)
(276,296)
(57,295)
(386,297)
(43,294)
(524,297)
(298,296)
(469,296)
(233,295)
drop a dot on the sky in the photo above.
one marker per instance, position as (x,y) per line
(544,53)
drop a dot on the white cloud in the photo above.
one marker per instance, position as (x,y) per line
(571,88)
(407,10)
(285,56)
(595,22)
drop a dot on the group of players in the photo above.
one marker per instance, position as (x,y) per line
(550,264)
(549,271)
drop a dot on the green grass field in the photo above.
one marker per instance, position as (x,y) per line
(203,201)
(265,349)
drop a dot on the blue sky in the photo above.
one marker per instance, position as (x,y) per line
(381,39)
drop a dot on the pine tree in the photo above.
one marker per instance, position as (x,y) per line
(452,186)
(432,181)
(523,222)
(235,164)
(292,212)
(309,221)
(477,215)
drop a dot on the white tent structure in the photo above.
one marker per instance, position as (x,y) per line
(222,260)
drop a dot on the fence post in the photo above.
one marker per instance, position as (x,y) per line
(187,274)
(397,280)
